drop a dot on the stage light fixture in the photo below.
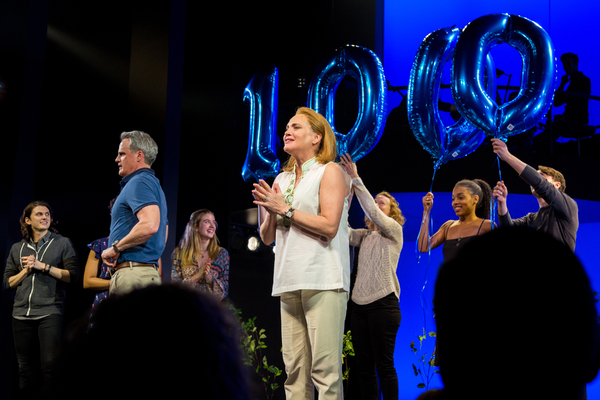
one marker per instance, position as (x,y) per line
(236,238)
(253,243)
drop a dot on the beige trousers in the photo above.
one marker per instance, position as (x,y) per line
(128,279)
(312,330)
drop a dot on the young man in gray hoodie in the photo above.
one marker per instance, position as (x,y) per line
(38,267)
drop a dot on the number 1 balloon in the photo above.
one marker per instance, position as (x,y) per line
(261,95)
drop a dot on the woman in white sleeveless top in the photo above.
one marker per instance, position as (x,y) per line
(305,213)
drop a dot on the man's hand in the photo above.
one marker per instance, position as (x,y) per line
(500,193)
(110,256)
(28,263)
(564,80)
(499,147)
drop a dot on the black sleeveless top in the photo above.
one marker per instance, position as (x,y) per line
(452,246)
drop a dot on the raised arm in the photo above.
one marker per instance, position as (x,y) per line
(501,150)
(426,243)
(386,225)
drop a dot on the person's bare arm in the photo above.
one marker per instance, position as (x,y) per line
(332,194)
(90,274)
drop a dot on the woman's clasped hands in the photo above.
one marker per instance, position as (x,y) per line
(269,197)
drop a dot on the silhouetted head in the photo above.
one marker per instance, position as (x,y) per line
(516,318)
(163,341)
(570,62)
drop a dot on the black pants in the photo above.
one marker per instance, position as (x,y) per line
(374,328)
(30,336)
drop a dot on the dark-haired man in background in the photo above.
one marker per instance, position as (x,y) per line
(572,92)
(558,212)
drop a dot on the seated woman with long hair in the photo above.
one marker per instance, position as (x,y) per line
(198,260)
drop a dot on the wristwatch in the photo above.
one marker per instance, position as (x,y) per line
(114,246)
(287,217)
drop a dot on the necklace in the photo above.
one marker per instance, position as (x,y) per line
(288,195)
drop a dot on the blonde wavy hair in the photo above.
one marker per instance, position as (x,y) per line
(327,150)
(190,242)
(395,212)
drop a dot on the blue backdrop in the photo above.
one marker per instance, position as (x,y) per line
(405,25)
(417,278)
(572,29)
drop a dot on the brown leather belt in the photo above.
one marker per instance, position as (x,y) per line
(128,264)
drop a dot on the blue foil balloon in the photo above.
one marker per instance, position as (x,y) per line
(261,95)
(443,143)
(538,77)
(364,66)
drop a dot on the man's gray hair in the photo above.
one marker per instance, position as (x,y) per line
(139,140)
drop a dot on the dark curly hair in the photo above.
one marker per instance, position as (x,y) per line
(478,187)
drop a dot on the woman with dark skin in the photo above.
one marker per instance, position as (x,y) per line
(471,203)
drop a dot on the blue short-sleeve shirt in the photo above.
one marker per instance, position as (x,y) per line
(138,190)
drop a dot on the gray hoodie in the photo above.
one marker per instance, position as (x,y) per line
(41,294)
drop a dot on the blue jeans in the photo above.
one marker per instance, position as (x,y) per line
(47,332)
(374,328)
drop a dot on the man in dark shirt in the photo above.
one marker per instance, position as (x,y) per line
(576,116)
(558,213)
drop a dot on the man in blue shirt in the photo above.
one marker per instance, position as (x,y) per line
(138,228)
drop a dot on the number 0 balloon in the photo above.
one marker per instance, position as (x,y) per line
(538,76)
(364,66)
(443,143)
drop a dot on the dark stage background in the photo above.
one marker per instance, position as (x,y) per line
(77,74)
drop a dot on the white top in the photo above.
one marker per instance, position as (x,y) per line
(304,260)
(379,251)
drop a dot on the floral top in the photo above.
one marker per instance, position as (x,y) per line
(98,246)
(217,284)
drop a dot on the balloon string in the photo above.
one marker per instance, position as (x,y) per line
(499,169)
(427,214)
(493,202)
